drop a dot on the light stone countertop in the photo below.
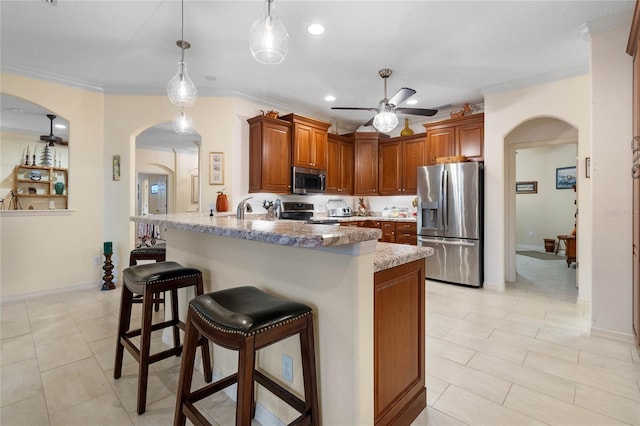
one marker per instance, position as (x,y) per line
(291,233)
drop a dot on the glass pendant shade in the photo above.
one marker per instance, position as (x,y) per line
(183,124)
(268,37)
(386,119)
(181,90)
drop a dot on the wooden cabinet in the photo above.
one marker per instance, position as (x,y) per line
(398,160)
(309,141)
(388,229)
(633,48)
(340,164)
(400,392)
(269,155)
(406,233)
(365,181)
(457,136)
(39,188)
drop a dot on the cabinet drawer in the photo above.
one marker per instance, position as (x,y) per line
(406,227)
(388,226)
(403,238)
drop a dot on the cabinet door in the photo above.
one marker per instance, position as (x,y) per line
(366,166)
(470,141)
(303,150)
(414,155)
(388,231)
(270,159)
(333,165)
(390,168)
(440,143)
(346,168)
(319,149)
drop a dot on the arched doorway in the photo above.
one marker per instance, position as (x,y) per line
(555,142)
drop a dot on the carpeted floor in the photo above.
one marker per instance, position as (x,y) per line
(540,255)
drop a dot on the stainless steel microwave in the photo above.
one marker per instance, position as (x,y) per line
(308,181)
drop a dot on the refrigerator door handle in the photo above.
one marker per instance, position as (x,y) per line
(444,200)
(446,243)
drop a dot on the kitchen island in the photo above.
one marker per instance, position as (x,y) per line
(368,301)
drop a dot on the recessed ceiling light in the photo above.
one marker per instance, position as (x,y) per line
(210,77)
(412,101)
(315,29)
(59,126)
(329,98)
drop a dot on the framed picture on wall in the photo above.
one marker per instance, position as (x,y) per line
(529,187)
(216,168)
(565,177)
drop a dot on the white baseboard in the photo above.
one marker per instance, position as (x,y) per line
(614,335)
(494,286)
(96,285)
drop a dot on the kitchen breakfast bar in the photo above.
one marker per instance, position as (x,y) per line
(368,300)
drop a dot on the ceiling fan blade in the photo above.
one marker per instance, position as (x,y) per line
(417,111)
(401,96)
(369,123)
(355,108)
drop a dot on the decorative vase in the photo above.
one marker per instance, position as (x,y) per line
(407,130)
(222,204)
(59,187)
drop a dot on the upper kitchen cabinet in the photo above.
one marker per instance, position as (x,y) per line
(398,161)
(340,164)
(457,136)
(365,181)
(269,155)
(309,141)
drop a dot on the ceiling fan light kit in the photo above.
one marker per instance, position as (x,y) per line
(268,37)
(386,119)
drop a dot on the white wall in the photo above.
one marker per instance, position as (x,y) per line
(549,212)
(48,253)
(611,83)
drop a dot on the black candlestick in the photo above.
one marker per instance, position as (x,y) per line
(108,276)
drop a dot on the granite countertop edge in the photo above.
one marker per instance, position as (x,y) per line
(390,255)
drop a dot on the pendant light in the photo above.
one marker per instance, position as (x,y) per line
(183,124)
(268,37)
(181,89)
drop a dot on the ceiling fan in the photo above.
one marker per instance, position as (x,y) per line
(386,119)
(51,138)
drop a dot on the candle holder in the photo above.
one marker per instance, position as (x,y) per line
(26,160)
(33,160)
(108,276)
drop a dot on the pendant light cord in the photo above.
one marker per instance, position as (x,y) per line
(182,30)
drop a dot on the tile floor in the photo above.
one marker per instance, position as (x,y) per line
(514,358)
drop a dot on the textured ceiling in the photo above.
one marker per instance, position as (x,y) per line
(450,52)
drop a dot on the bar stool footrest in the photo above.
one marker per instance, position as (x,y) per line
(282,393)
(155,327)
(194,415)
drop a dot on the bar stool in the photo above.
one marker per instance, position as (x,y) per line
(156,252)
(246,319)
(146,280)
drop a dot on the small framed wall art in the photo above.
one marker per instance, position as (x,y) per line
(116,167)
(216,168)
(565,177)
(528,187)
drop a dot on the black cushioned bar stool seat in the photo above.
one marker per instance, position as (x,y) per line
(247,319)
(156,252)
(146,280)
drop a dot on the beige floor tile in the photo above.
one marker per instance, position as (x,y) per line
(435,388)
(617,407)
(74,383)
(90,310)
(502,324)
(472,409)
(490,387)
(10,329)
(432,417)
(104,351)
(45,311)
(610,348)
(46,300)
(564,353)
(454,352)
(621,368)
(480,344)
(457,324)
(31,411)
(16,349)
(13,311)
(553,411)
(527,377)
(159,386)
(19,381)
(159,413)
(98,328)
(104,410)
(596,378)
(63,350)
(53,328)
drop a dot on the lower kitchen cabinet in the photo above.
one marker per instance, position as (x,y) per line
(400,392)
(406,233)
(393,231)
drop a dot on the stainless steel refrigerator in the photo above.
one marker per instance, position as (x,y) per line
(450,219)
